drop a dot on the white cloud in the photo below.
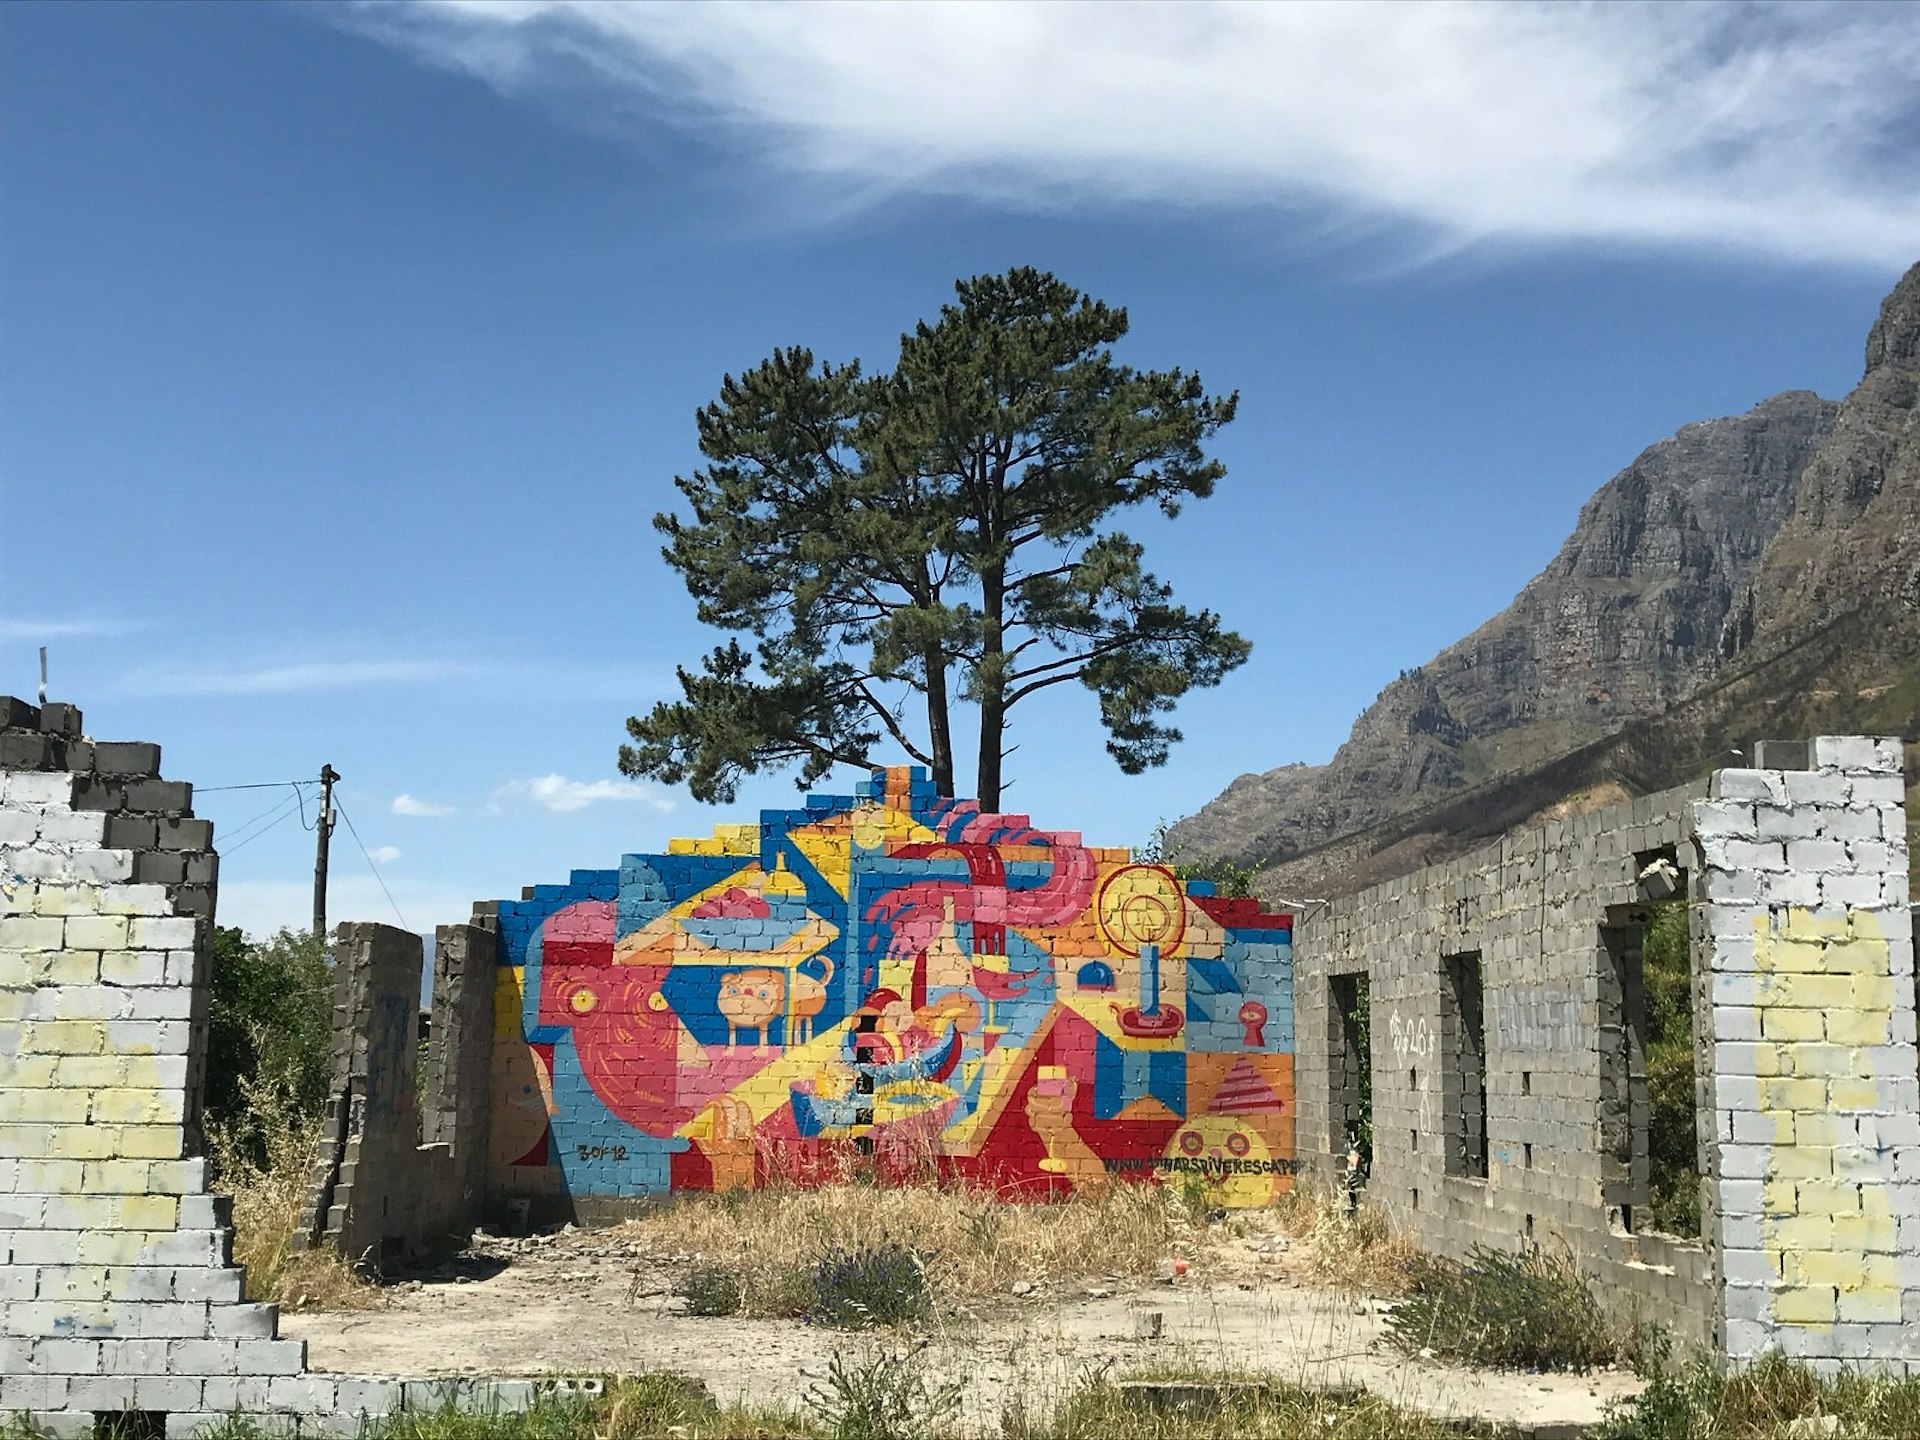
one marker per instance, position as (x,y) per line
(561,795)
(287,679)
(384,854)
(40,631)
(408,805)
(1788,131)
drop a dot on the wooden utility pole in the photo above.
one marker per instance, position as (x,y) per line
(321,831)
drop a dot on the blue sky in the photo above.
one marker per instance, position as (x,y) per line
(346,354)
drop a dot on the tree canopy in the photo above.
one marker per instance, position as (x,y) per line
(934,534)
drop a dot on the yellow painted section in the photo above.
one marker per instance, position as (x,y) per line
(509,995)
(1826,992)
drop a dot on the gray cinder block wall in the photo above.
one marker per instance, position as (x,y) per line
(378,1194)
(1806,935)
(1526,1122)
(117,1289)
(457,1105)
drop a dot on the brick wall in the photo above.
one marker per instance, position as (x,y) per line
(888,979)
(1815,1098)
(117,1290)
(1803,1021)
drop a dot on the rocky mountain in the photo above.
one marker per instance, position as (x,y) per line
(1751,576)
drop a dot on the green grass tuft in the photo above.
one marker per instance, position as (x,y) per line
(1530,1312)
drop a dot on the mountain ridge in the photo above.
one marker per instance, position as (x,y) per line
(1700,570)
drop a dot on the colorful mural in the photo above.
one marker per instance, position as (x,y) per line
(891,979)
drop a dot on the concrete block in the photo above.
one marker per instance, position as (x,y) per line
(103,866)
(163,934)
(126,759)
(1855,752)
(1728,819)
(203,1357)
(1821,856)
(303,1394)
(1818,787)
(1801,822)
(100,1392)
(73,827)
(166,1392)
(1877,790)
(1764,785)
(27,791)
(245,1322)
(370,1396)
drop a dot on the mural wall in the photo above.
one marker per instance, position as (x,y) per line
(895,980)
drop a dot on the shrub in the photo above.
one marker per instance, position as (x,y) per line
(869,1285)
(1761,1403)
(269,1038)
(883,1395)
(660,1402)
(1529,1311)
(713,1290)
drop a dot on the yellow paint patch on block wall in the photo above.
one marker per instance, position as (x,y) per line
(509,995)
(1824,1229)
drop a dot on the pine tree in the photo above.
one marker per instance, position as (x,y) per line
(882,537)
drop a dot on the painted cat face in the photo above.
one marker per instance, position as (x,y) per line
(752,997)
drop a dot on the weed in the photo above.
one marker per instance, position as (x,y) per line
(1357,1251)
(972,1241)
(266,1207)
(1761,1403)
(713,1290)
(652,1404)
(883,1395)
(869,1285)
(1187,1406)
(556,1419)
(1529,1311)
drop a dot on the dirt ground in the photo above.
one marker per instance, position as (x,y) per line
(584,1302)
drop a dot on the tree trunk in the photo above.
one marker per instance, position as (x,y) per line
(939,724)
(993,686)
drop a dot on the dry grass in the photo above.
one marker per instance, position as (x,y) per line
(976,1243)
(973,1242)
(266,1211)
(1346,1252)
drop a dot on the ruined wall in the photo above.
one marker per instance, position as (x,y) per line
(1533,910)
(1509,1081)
(1816,1098)
(894,979)
(378,1194)
(117,1289)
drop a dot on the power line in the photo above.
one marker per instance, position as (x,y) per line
(286,814)
(241,829)
(258,785)
(371,866)
(271,818)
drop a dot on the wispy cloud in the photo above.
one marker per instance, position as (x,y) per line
(41,631)
(288,679)
(408,805)
(1787,131)
(384,854)
(561,795)
(262,906)
(579,681)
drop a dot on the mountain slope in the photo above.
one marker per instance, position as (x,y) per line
(1756,575)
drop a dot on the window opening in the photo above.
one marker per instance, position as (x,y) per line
(1463,1076)
(1649,1091)
(1350,999)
